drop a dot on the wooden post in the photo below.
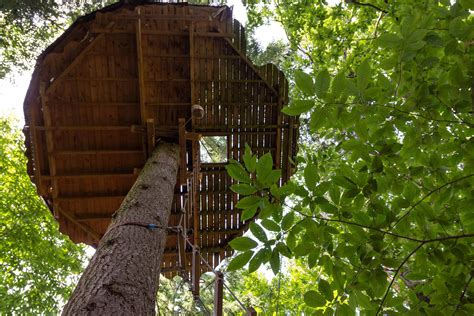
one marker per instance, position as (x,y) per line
(196,272)
(122,276)
(218,293)
(251,311)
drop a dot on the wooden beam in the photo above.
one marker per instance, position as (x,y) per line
(85,128)
(164,33)
(111,79)
(196,271)
(203,128)
(36,153)
(89,231)
(249,63)
(91,104)
(86,176)
(49,145)
(278,135)
(182,152)
(52,87)
(141,74)
(150,136)
(218,293)
(95,152)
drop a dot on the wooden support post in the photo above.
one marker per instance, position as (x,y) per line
(218,293)
(150,135)
(182,147)
(251,311)
(182,250)
(141,75)
(196,271)
(278,153)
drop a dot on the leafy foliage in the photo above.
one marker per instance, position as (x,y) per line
(27,27)
(38,265)
(382,204)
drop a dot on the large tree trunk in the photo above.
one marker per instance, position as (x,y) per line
(122,276)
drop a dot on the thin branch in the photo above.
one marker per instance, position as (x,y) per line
(385,232)
(305,53)
(462,295)
(427,195)
(395,276)
(377,24)
(367,5)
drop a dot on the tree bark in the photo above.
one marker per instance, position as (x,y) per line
(122,276)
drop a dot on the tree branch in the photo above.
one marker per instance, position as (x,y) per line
(427,195)
(385,232)
(395,276)
(462,295)
(367,5)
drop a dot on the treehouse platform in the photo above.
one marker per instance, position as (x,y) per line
(124,77)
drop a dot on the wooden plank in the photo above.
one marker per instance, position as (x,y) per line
(85,176)
(84,128)
(92,104)
(218,293)
(101,31)
(141,80)
(150,132)
(53,86)
(49,145)
(95,152)
(182,152)
(35,148)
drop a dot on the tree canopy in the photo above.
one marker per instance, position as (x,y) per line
(380,209)
(27,27)
(38,265)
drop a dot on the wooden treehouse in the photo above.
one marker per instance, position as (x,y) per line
(124,77)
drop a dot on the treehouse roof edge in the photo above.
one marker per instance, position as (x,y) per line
(125,72)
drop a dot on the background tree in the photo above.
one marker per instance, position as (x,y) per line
(28,27)
(381,207)
(38,265)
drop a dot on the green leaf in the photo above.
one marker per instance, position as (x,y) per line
(260,258)
(258,232)
(325,289)
(243,189)
(467,4)
(264,167)
(303,249)
(243,243)
(298,107)
(270,225)
(388,40)
(314,299)
(304,82)
(239,261)
(311,176)
(273,177)
(283,249)
(363,75)
(236,171)
(248,202)
(248,213)
(275,262)
(250,160)
(338,86)
(287,220)
(323,80)
(467,216)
